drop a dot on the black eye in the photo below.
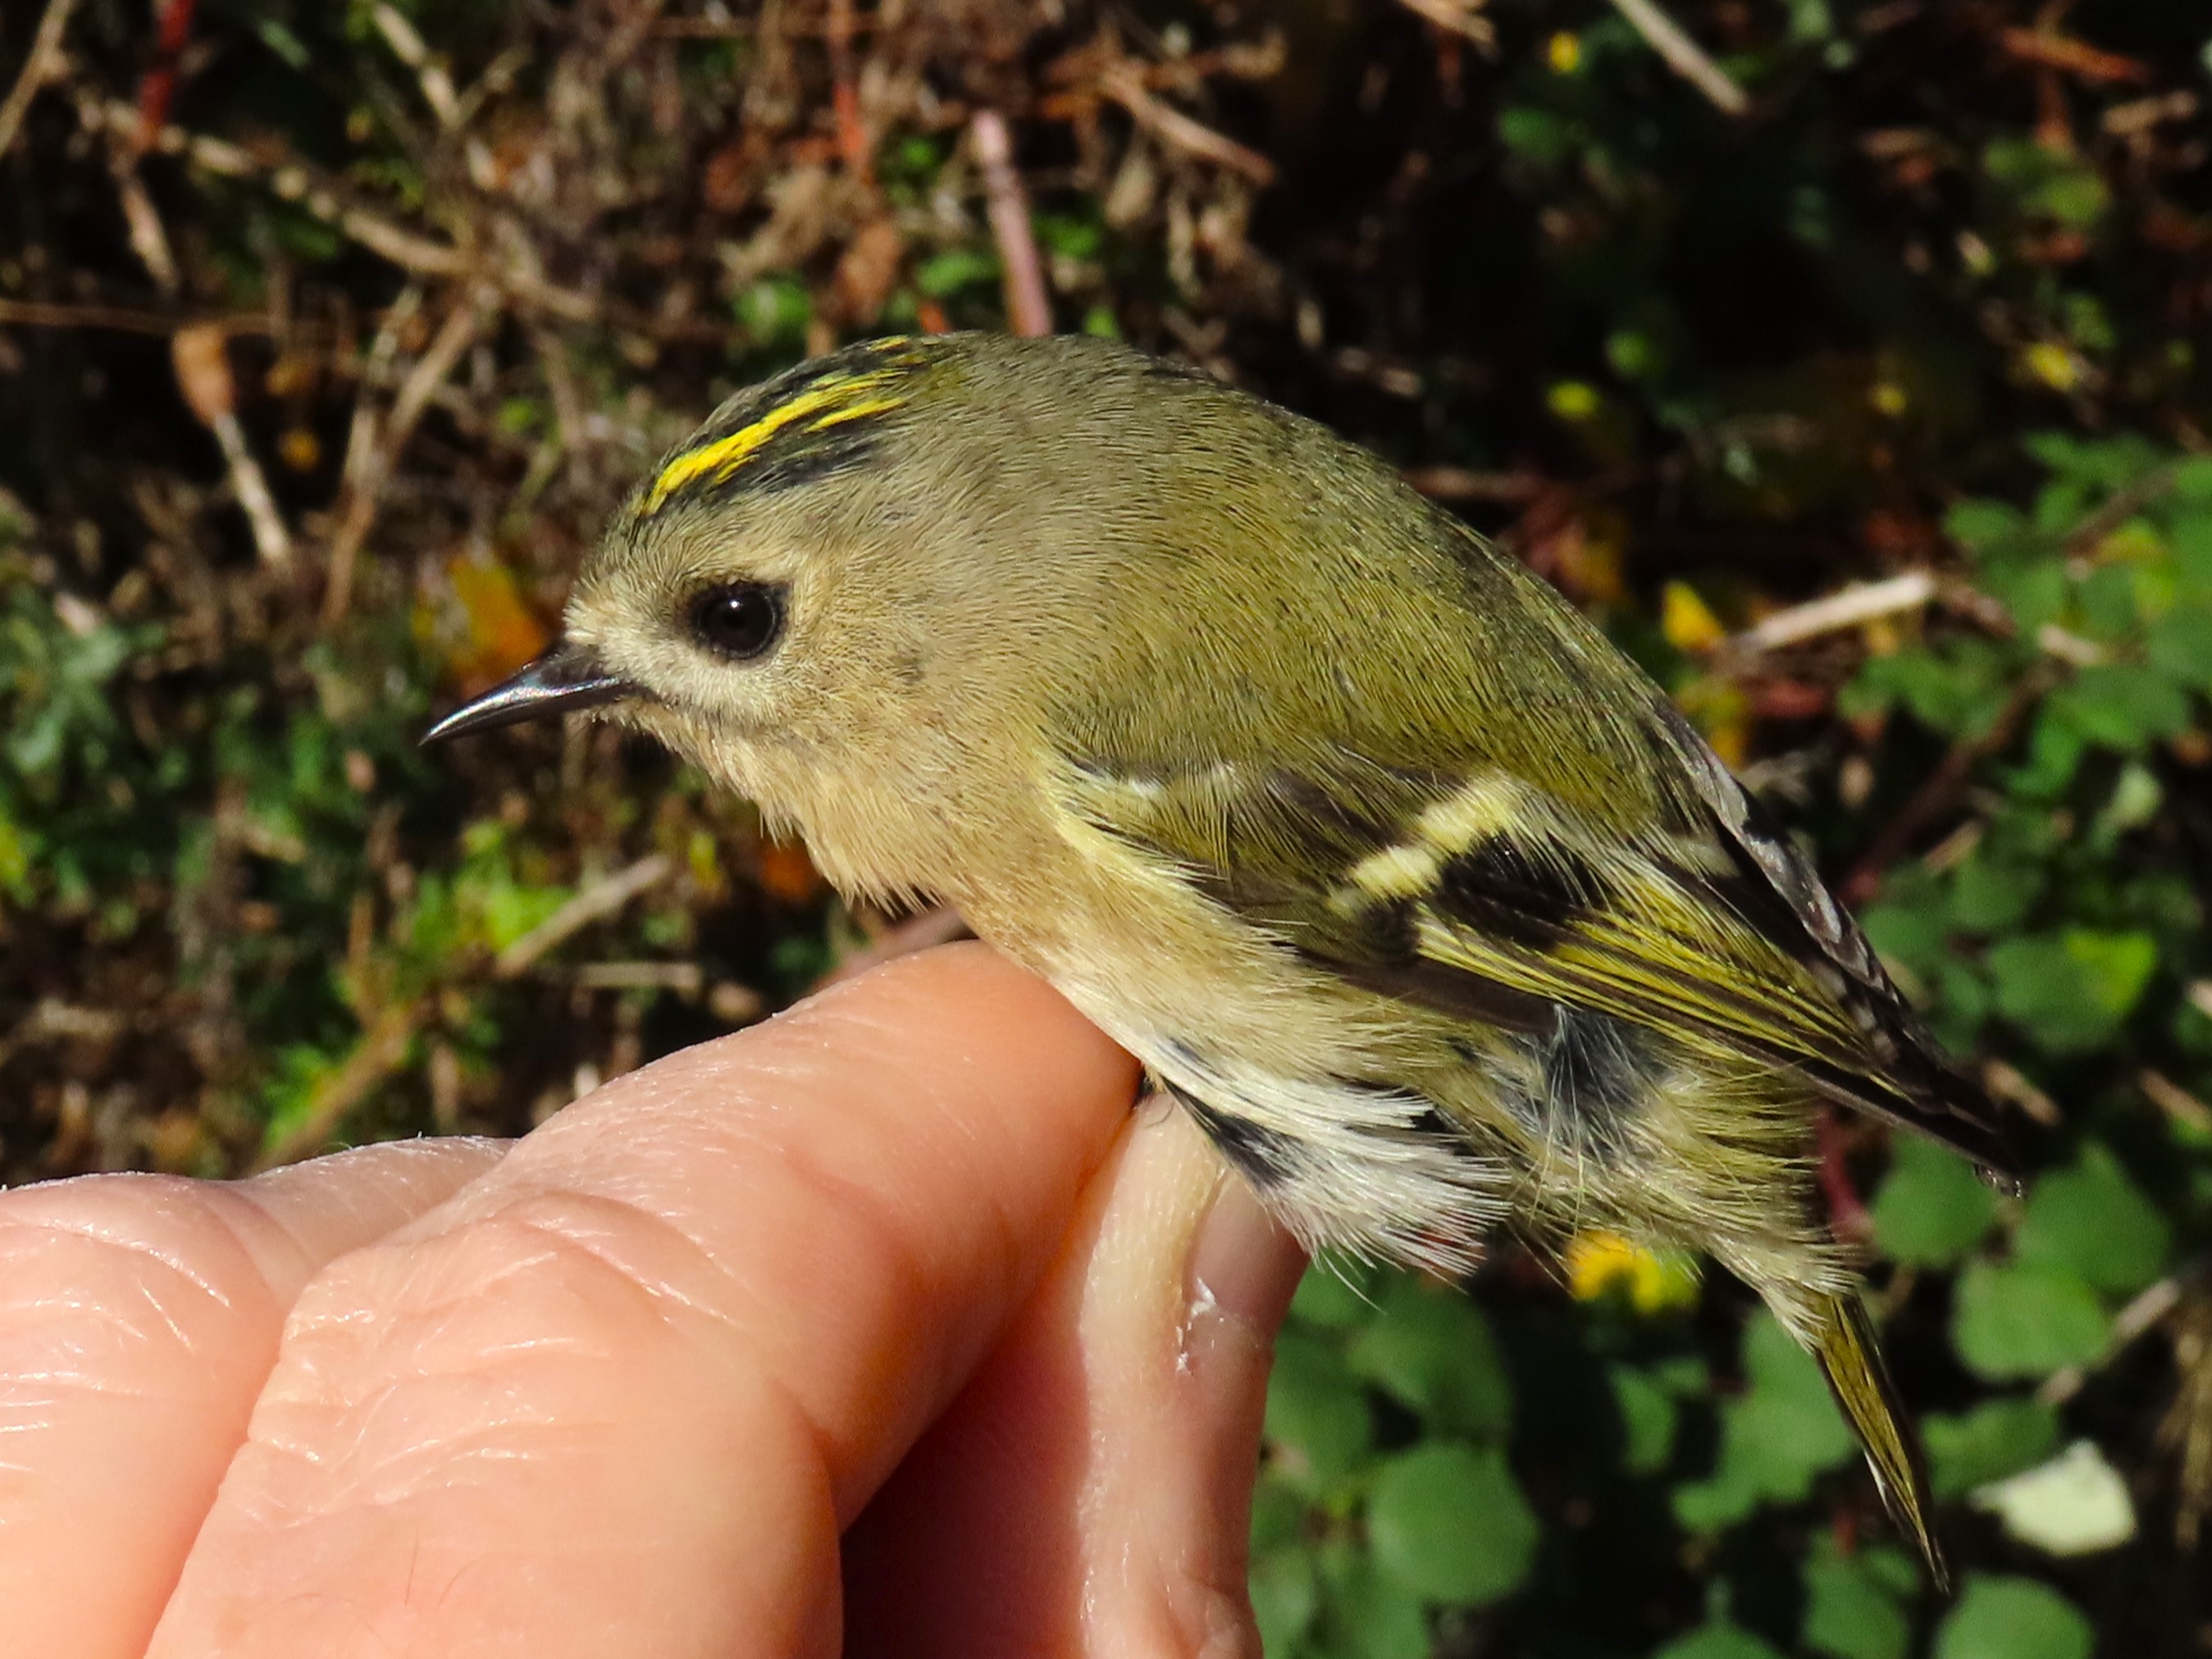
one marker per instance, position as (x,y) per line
(739,620)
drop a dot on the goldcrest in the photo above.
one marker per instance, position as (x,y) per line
(1419,897)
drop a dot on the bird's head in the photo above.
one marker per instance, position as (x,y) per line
(834,596)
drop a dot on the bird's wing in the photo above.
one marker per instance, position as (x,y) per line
(1468,890)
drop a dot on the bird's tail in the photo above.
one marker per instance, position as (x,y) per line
(1842,1340)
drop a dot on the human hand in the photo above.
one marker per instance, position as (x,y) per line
(883,1326)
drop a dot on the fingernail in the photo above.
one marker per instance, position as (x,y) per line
(1243,1265)
(1243,1269)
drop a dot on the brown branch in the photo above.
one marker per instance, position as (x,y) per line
(1457,483)
(1029,310)
(431,76)
(853,148)
(2074,56)
(33,313)
(203,369)
(41,64)
(1179,132)
(454,336)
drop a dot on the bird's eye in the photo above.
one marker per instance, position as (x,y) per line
(739,620)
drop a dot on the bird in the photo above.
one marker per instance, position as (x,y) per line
(1422,900)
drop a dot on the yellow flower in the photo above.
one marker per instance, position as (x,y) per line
(1655,1280)
(1687,621)
(1564,52)
(2054,364)
(1573,400)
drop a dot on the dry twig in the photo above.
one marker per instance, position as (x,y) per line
(365,490)
(1832,612)
(1457,483)
(1461,17)
(36,313)
(1179,132)
(2131,1322)
(2176,1102)
(381,1051)
(1683,55)
(203,375)
(41,64)
(1029,310)
(602,899)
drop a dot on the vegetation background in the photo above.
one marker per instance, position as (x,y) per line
(1847,359)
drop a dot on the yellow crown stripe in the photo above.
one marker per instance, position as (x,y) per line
(856,412)
(725,455)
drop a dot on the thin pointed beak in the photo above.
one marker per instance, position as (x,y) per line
(567,677)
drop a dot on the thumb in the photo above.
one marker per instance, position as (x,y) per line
(1090,1493)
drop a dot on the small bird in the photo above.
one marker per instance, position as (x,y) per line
(1418,895)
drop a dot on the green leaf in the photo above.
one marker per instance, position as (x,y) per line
(1286,1596)
(1317,1416)
(2020,1320)
(2055,748)
(1431,1349)
(2180,644)
(946,274)
(1449,1522)
(2107,598)
(1366,1613)
(2012,1618)
(1959,691)
(2070,990)
(1981,525)
(2103,464)
(2091,1220)
(1998,1437)
(2189,532)
(1719,1639)
(2122,706)
(1932,1209)
(2035,587)
(1782,1431)
(1535,135)
(2192,479)
(1648,1417)
(511,911)
(1990,894)
(1337,1293)
(1850,1613)
(1279,1513)
(1908,934)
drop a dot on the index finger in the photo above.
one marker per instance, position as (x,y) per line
(623,1392)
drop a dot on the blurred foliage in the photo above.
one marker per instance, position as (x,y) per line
(1927,314)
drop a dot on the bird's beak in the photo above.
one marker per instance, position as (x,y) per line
(567,677)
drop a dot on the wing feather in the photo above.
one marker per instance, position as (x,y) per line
(1477,894)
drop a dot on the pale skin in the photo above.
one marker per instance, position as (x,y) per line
(885,1327)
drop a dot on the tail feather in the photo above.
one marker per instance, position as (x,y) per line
(1844,1342)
